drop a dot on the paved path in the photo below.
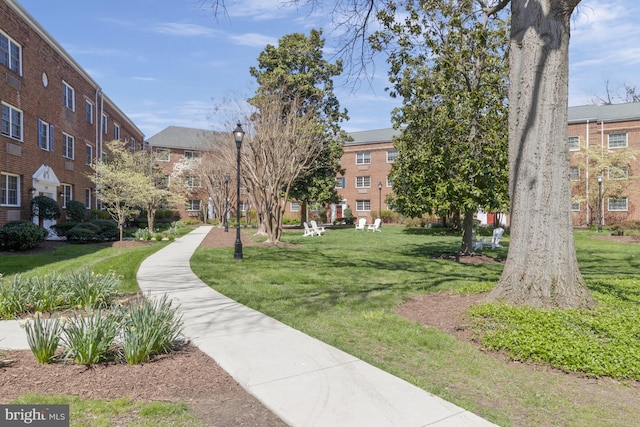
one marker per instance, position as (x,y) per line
(304,381)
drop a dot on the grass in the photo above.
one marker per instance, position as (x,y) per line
(102,413)
(344,287)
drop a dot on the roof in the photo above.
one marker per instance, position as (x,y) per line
(185,138)
(605,113)
(373,136)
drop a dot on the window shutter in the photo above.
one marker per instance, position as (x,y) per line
(40,132)
(51,137)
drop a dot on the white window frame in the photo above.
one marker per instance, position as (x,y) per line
(68,96)
(294,206)
(160,154)
(624,169)
(575,207)
(389,182)
(9,189)
(193,181)
(192,154)
(68,146)
(363,181)
(617,140)
(363,158)
(105,124)
(67,194)
(574,143)
(116,132)
(11,54)
(614,202)
(45,135)
(193,205)
(87,198)
(340,182)
(88,154)
(363,205)
(392,155)
(574,176)
(88,111)
(9,128)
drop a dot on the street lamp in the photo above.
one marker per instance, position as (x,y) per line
(380,199)
(226,202)
(600,206)
(238,135)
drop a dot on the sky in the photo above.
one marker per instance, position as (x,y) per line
(176,63)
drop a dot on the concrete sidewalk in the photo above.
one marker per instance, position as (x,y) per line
(302,380)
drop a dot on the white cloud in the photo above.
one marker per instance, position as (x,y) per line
(253,39)
(183,29)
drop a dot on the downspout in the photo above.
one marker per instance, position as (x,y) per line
(587,175)
(602,171)
(98,91)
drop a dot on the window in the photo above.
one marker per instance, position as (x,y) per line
(104,123)
(574,143)
(116,132)
(575,207)
(67,194)
(192,181)
(10,54)
(392,155)
(389,182)
(11,122)
(133,144)
(89,154)
(162,154)
(9,185)
(363,181)
(619,172)
(88,112)
(619,204)
(340,182)
(295,207)
(363,158)
(193,205)
(162,181)
(618,140)
(363,205)
(45,135)
(68,96)
(87,198)
(574,173)
(68,143)
(192,154)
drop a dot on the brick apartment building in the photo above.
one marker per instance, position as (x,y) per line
(605,189)
(55,118)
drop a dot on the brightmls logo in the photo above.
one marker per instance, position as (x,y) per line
(34,415)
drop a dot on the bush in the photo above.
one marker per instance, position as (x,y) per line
(143,234)
(43,337)
(61,229)
(76,211)
(98,214)
(89,339)
(89,290)
(82,234)
(108,229)
(21,236)
(45,207)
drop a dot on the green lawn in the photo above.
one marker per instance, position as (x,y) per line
(344,287)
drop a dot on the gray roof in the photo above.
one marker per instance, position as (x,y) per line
(185,138)
(606,113)
(373,136)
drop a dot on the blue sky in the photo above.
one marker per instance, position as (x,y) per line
(170,62)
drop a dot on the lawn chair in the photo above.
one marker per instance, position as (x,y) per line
(375,226)
(316,229)
(308,231)
(497,236)
(361,223)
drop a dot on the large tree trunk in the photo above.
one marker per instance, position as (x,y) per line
(541,269)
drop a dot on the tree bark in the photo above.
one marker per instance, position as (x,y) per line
(541,269)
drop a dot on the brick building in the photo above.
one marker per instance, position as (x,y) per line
(604,144)
(55,118)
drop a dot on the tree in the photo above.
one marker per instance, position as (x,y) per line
(120,185)
(541,268)
(447,64)
(297,64)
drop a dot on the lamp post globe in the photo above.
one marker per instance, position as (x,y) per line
(238,135)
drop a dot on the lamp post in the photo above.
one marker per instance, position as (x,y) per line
(380,199)
(226,203)
(238,135)
(600,207)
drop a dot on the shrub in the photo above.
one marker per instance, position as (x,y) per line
(82,235)
(143,234)
(89,339)
(22,236)
(45,207)
(43,337)
(98,214)
(62,229)
(108,229)
(76,211)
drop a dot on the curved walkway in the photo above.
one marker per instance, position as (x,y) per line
(301,379)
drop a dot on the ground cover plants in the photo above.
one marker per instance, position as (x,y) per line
(345,289)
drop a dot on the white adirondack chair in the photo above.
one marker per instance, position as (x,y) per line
(375,226)
(316,229)
(308,231)
(361,224)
